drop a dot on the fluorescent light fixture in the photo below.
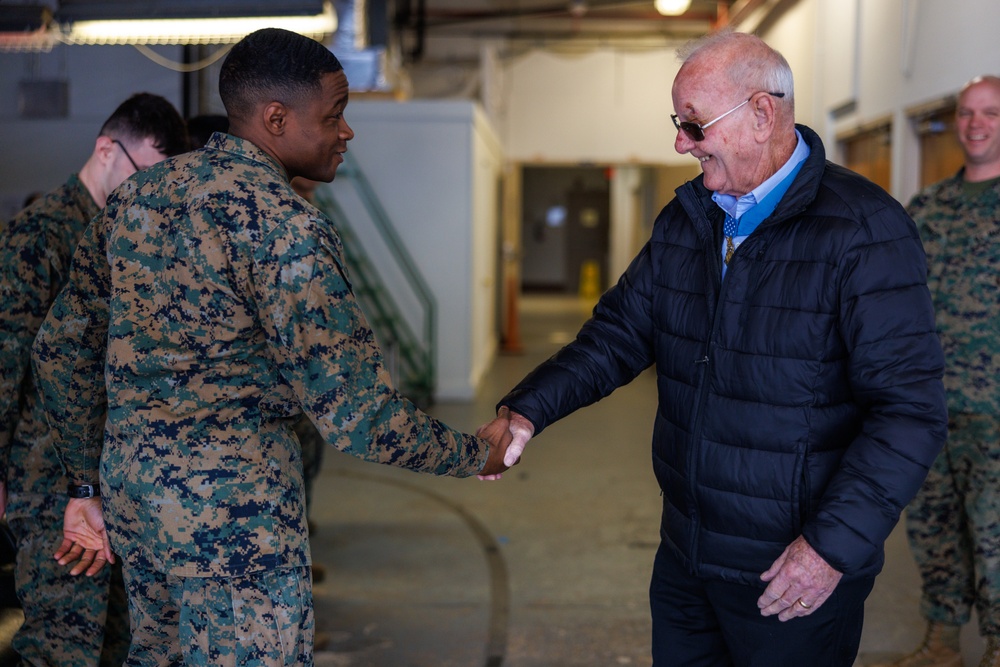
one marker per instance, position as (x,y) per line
(672,7)
(196,31)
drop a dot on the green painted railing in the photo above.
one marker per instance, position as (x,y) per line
(411,358)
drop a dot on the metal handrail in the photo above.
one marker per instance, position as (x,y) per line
(404,261)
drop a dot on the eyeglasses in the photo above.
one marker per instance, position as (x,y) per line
(697,131)
(125,150)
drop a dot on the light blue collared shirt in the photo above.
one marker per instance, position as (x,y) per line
(776,185)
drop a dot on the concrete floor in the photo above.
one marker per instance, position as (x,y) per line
(545,568)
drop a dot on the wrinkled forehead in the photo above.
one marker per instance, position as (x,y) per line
(699,85)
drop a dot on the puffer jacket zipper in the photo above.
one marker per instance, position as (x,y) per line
(713,265)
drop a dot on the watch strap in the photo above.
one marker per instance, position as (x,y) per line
(84,491)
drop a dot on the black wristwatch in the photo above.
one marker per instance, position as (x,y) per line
(83,491)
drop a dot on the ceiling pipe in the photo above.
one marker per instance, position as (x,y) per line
(739,12)
(410,18)
(594,9)
(721,14)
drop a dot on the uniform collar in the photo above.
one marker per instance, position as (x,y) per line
(246,149)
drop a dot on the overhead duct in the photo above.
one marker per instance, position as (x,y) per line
(360,43)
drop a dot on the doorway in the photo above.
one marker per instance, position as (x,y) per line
(869,152)
(565,221)
(941,155)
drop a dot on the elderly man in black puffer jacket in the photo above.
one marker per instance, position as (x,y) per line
(783,301)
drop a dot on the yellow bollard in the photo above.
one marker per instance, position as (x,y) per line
(590,279)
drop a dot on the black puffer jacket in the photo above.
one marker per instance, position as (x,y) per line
(801,396)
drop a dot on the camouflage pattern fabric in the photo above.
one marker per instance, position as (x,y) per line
(65,616)
(953,523)
(68,621)
(312,456)
(953,526)
(961,234)
(220,301)
(264,619)
(35,255)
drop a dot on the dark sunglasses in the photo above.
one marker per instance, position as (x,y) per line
(697,131)
(125,150)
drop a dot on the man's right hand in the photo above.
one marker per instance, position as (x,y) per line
(497,433)
(518,429)
(85,540)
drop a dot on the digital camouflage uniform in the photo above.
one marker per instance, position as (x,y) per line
(312,459)
(954,521)
(312,456)
(231,315)
(65,616)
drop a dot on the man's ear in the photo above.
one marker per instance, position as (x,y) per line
(104,149)
(275,116)
(764,115)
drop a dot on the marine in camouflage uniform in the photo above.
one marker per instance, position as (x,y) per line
(312,457)
(310,439)
(954,522)
(64,617)
(220,300)
(67,621)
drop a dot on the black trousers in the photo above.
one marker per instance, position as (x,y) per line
(713,623)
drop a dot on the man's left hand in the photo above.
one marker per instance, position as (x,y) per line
(800,581)
(85,541)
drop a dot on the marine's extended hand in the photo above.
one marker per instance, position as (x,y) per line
(800,582)
(85,539)
(520,430)
(497,433)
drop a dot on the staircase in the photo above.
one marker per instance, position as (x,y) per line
(409,358)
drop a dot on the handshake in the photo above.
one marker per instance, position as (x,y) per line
(507,436)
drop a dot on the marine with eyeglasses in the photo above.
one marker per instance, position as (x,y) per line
(68,621)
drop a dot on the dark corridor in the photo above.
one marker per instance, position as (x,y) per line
(565,218)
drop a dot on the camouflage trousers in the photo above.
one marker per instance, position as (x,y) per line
(953,525)
(68,621)
(263,619)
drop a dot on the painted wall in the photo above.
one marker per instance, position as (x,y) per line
(598,106)
(485,222)
(40,154)
(435,165)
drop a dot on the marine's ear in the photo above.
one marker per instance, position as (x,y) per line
(275,117)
